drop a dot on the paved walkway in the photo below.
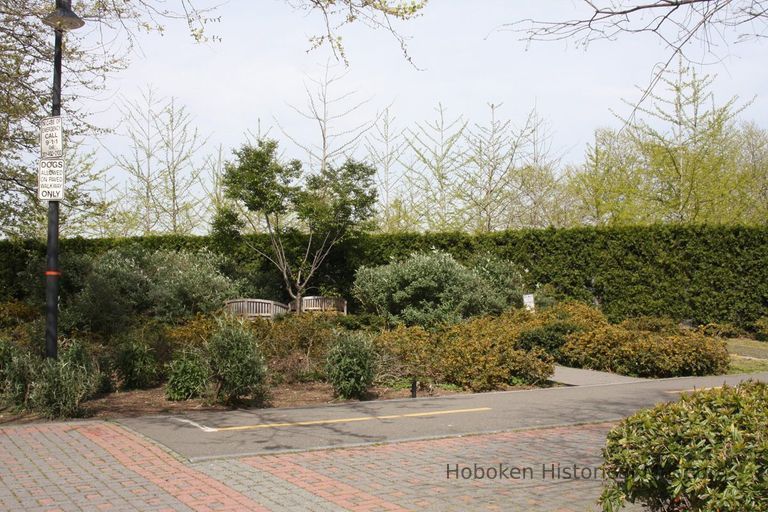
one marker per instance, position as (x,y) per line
(102,466)
(239,465)
(579,377)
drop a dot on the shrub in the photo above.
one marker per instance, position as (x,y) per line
(762,329)
(60,386)
(502,276)
(131,281)
(581,316)
(350,365)
(136,365)
(412,352)
(479,355)
(191,334)
(19,373)
(597,349)
(646,354)
(533,367)
(237,364)
(114,292)
(13,313)
(183,284)
(549,337)
(706,452)
(651,324)
(721,330)
(427,290)
(296,346)
(188,376)
(7,350)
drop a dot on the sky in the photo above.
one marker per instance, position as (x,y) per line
(464,59)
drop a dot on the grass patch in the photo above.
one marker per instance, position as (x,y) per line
(741,364)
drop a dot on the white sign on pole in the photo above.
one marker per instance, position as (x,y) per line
(529,302)
(50,179)
(51,138)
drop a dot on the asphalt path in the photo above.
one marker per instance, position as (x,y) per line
(200,436)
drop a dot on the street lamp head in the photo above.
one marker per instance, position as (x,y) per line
(63,18)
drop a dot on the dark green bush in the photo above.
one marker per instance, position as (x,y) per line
(350,366)
(703,273)
(183,284)
(238,370)
(708,452)
(114,293)
(188,376)
(549,337)
(136,365)
(426,289)
(652,324)
(131,281)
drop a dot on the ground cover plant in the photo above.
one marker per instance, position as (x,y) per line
(707,452)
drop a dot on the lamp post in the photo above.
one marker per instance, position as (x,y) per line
(61,20)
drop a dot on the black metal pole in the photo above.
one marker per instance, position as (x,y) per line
(52,272)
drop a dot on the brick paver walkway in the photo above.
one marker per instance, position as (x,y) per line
(102,466)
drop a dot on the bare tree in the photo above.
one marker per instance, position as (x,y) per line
(160,165)
(385,147)
(675,22)
(432,174)
(329,111)
(488,181)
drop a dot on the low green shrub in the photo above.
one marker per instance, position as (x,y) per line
(20,369)
(577,314)
(6,357)
(409,353)
(480,355)
(708,452)
(238,370)
(188,376)
(533,367)
(60,386)
(646,354)
(136,365)
(350,365)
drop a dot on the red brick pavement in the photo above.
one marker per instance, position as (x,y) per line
(191,487)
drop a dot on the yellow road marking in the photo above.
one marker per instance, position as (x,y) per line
(692,390)
(345,420)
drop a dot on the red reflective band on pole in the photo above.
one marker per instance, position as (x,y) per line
(52,273)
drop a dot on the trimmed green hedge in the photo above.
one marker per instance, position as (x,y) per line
(703,273)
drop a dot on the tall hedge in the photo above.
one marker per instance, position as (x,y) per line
(703,273)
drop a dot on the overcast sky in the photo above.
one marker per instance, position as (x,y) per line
(262,63)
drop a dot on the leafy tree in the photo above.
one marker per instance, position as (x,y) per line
(326,207)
